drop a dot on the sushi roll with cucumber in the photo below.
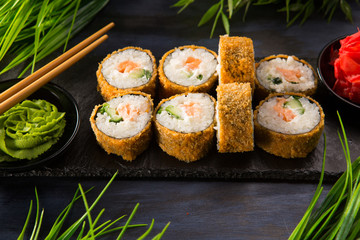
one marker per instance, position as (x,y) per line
(187,69)
(184,125)
(288,125)
(122,126)
(234,117)
(283,73)
(127,69)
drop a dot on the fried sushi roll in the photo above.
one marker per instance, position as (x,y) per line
(184,125)
(127,69)
(236,60)
(283,73)
(288,125)
(122,126)
(234,117)
(187,69)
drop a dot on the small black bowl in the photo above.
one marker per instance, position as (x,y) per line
(65,103)
(326,71)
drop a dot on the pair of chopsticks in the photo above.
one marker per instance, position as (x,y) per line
(35,81)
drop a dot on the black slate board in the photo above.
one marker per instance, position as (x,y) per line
(91,159)
(159,28)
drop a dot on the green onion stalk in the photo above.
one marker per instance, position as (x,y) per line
(88,226)
(338,215)
(294,10)
(30,30)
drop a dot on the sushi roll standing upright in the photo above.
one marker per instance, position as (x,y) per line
(187,69)
(127,69)
(184,125)
(234,117)
(282,73)
(122,126)
(288,125)
(236,60)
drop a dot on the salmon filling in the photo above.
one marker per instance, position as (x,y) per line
(285,113)
(292,76)
(127,66)
(192,109)
(192,63)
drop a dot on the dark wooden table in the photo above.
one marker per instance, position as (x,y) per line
(230,196)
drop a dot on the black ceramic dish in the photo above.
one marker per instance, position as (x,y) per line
(65,103)
(326,71)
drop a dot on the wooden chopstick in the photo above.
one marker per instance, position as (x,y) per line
(48,67)
(35,85)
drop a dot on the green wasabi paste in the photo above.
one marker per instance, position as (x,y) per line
(29,129)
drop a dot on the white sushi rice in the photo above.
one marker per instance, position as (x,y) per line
(269,118)
(267,71)
(202,119)
(127,127)
(176,71)
(125,80)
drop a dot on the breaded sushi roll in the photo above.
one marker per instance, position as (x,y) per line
(127,69)
(236,60)
(288,125)
(187,69)
(122,126)
(283,73)
(184,125)
(234,117)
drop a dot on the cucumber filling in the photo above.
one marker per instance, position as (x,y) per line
(173,111)
(140,73)
(114,117)
(295,104)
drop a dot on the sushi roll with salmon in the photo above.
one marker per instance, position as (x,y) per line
(184,125)
(122,126)
(234,117)
(283,73)
(127,69)
(187,69)
(288,125)
(236,60)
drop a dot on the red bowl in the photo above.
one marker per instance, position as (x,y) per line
(326,70)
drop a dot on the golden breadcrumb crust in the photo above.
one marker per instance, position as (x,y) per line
(128,148)
(108,91)
(261,92)
(288,145)
(168,88)
(236,59)
(235,122)
(187,147)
